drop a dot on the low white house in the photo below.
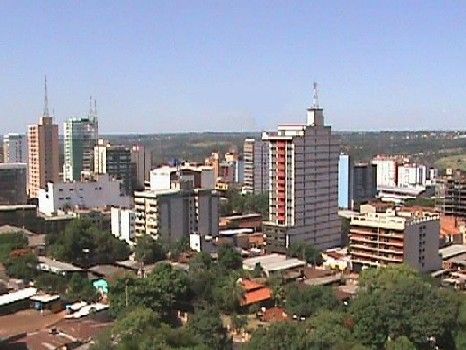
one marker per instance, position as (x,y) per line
(123,224)
(100,192)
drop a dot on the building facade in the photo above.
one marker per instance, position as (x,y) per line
(123,224)
(43,155)
(387,170)
(141,158)
(13,182)
(256,166)
(380,239)
(167,177)
(100,192)
(172,214)
(451,193)
(115,160)
(303,196)
(80,138)
(364,183)
(15,148)
(412,175)
(345,182)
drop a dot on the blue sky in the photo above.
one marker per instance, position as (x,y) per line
(165,66)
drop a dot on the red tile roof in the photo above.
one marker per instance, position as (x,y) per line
(256,296)
(449,226)
(275,314)
(249,285)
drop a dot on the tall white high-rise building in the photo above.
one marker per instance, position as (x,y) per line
(80,138)
(15,148)
(303,187)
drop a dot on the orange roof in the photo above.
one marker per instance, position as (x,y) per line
(249,285)
(256,296)
(275,314)
(449,226)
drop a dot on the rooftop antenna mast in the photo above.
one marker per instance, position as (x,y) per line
(91,112)
(46,100)
(315,98)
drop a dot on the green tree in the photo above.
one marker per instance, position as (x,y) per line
(148,250)
(83,243)
(9,242)
(160,291)
(330,329)
(400,343)
(411,307)
(306,301)
(51,283)
(229,258)
(306,252)
(80,288)
(23,266)
(135,323)
(208,329)
(228,293)
(280,336)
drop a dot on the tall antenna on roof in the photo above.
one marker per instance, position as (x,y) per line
(46,100)
(315,98)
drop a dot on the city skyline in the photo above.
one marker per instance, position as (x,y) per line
(178,67)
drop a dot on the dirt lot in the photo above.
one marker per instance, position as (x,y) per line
(27,321)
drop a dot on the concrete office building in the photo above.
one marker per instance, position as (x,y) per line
(451,193)
(167,177)
(364,183)
(115,160)
(13,182)
(43,152)
(15,148)
(303,173)
(141,158)
(80,138)
(180,201)
(256,166)
(345,182)
(387,170)
(411,175)
(123,224)
(380,239)
(172,214)
(99,192)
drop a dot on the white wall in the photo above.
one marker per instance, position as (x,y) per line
(88,194)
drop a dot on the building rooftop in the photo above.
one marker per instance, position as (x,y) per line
(45,298)
(272,262)
(452,250)
(57,265)
(275,314)
(256,296)
(19,295)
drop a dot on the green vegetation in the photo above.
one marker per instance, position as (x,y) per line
(457,161)
(396,308)
(83,244)
(10,242)
(422,202)
(22,266)
(245,203)
(306,301)
(148,250)
(161,291)
(306,252)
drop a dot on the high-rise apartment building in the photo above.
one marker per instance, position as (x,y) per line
(364,183)
(179,203)
(15,148)
(451,193)
(115,160)
(387,170)
(141,157)
(303,173)
(80,138)
(256,166)
(345,181)
(13,179)
(43,152)
(380,239)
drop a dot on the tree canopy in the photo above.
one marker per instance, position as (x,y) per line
(82,243)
